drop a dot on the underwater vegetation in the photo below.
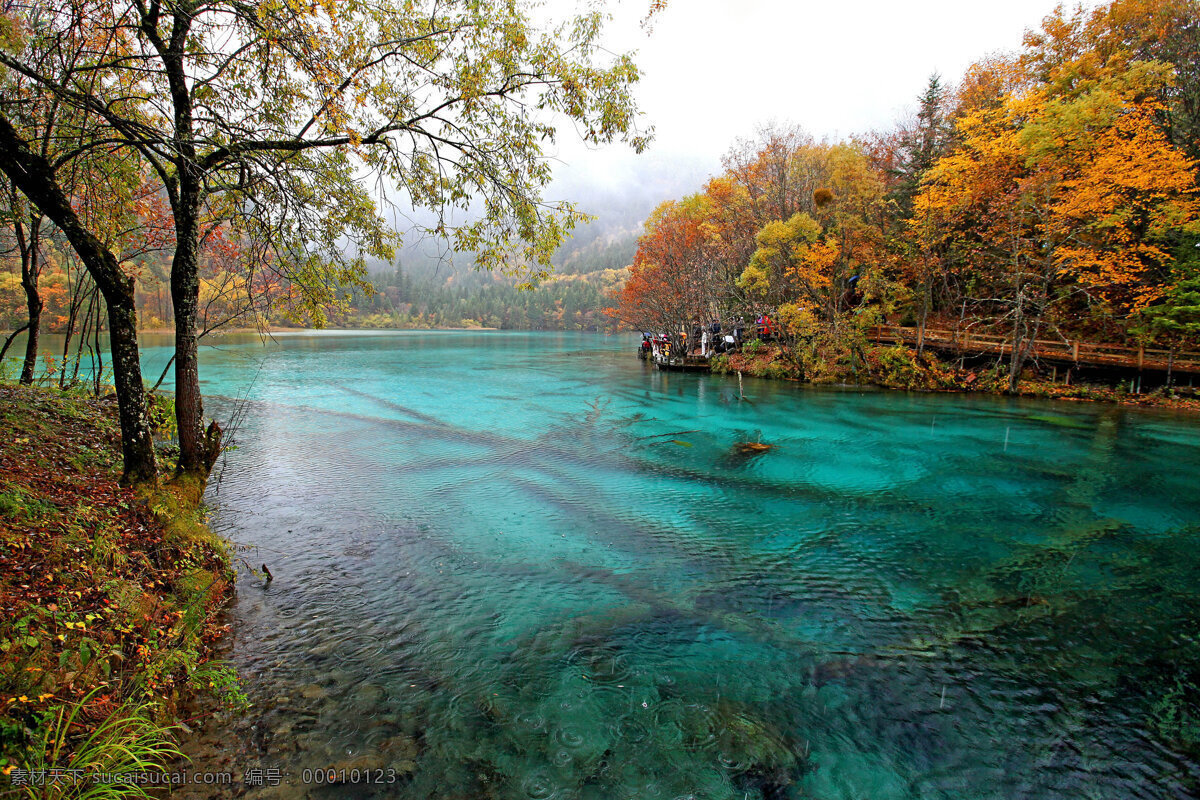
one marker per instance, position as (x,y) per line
(905,596)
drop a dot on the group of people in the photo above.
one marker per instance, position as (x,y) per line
(706,340)
(656,345)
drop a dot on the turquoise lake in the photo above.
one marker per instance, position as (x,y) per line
(527,565)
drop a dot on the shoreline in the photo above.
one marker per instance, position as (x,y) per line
(936,377)
(114,599)
(278,329)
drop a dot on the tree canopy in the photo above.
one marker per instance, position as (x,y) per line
(1053,192)
(274,118)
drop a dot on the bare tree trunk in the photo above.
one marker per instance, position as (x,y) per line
(33,304)
(198,449)
(99,373)
(83,337)
(1014,364)
(1029,323)
(8,341)
(29,244)
(958,335)
(78,296)
(137,443)
(925,302)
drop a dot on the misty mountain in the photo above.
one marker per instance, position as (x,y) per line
(619,203)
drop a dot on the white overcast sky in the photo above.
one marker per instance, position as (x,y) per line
(715,70)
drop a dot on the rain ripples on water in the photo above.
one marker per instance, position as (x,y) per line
(528,566)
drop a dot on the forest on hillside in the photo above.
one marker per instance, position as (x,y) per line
(426,285)
(572,301)
(427,294)
(1050,195)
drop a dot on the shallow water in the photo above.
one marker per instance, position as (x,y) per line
(528,566)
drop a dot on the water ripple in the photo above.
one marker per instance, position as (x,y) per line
(515,585)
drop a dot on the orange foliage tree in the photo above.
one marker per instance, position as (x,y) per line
(1068,188)
(675,276)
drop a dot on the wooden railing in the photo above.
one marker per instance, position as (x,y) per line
(1085,353)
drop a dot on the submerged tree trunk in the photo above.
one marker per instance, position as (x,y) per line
(34,176)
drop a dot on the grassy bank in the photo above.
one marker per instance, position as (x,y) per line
(110,599)
(899,367)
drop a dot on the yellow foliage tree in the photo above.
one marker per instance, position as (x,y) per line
(1067,187)
(813,266)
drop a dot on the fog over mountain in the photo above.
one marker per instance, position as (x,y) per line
(620,202)
(768,63)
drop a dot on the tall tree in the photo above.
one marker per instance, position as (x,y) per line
(39,117)
(264,116)
(675,279)
(25,222)
(919,144)
(36,178)
(50,152)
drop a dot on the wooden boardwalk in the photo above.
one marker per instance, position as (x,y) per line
(1071,353)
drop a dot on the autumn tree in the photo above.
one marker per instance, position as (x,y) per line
(1066,188)
(24,221)
(1118,33)
(49,150)
(675,278)
(813,269)
(265,115)
(790,267)
(779,170)
(734,226)
(36,177)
